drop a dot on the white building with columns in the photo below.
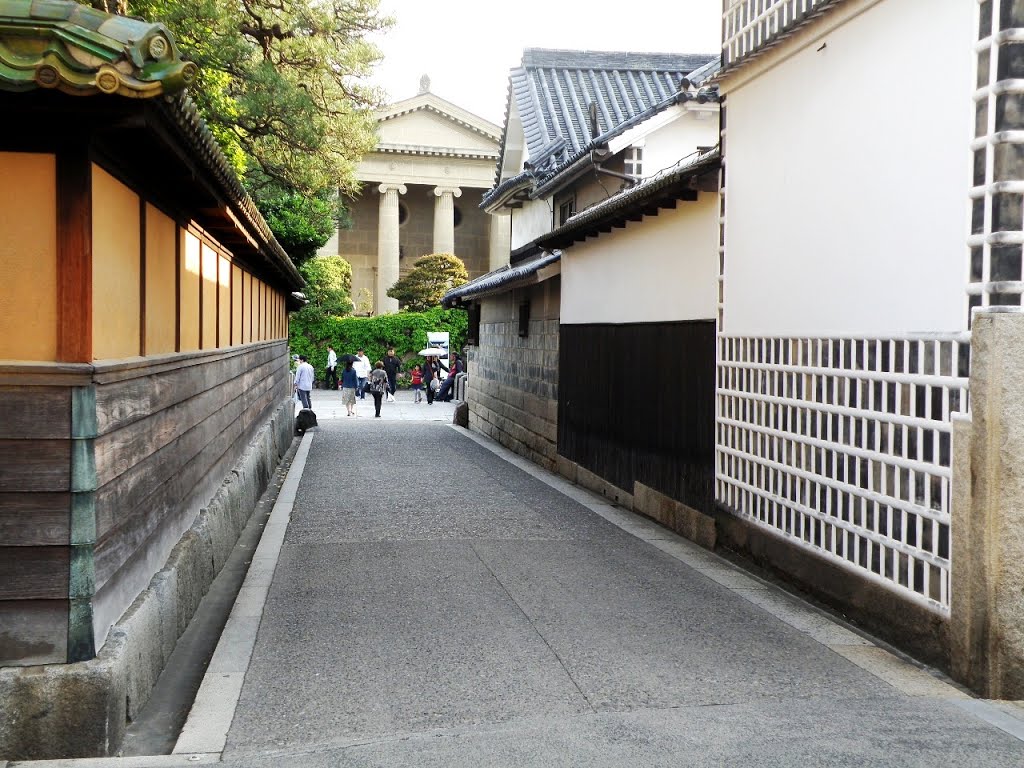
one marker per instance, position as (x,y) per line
(422,188)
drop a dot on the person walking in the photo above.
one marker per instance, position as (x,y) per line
(417,384)
(392,365)
(332,369)
(304,382)
(349,382)
(430,378)
(378,385)
(362,366)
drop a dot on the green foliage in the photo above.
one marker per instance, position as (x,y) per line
(364,302)
(281,82)
(302,224)
(282,87)
(328,286)
(405,331)
(428,281)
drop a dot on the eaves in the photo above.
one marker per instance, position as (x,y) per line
(645,199)
(505,279)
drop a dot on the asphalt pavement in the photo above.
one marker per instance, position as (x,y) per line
(435,602)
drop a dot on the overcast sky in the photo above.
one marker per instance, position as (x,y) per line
(467,47)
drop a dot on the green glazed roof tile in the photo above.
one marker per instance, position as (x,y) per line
(73,48)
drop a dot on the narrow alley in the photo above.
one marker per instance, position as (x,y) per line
(437,601)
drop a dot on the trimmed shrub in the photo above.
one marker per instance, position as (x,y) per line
(309,334)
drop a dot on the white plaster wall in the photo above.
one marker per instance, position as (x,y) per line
(664,147)
(660,269)
(530,221)
(847,179)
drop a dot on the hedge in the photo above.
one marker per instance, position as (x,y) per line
(311,332)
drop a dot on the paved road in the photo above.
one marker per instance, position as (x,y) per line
(327,405)
(434,605)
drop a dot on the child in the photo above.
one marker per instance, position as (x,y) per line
(417,383)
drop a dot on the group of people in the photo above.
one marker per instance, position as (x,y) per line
(381,379)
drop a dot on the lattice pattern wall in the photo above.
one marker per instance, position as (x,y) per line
(997,221)
(751,25)
(842,446)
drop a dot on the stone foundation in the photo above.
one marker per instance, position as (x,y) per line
(513,383)
(523,423)
(82,710)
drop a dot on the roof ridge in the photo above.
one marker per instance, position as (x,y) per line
(565,58)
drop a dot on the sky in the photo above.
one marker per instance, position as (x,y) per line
(467,47)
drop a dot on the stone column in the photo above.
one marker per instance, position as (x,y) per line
(987,528)
(444,219)
(500,241)
(387,246)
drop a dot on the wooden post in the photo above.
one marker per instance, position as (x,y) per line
(74,254)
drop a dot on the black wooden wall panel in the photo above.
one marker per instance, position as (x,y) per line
(637,403)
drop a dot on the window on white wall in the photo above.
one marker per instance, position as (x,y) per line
(634,161)
(566,209)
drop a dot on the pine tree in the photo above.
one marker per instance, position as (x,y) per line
(428,281)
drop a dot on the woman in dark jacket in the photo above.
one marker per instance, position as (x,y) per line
(378,385)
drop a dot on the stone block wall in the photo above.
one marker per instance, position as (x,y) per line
(472,236)
(513,379)
(54,711)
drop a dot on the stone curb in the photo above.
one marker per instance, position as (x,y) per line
(206,730)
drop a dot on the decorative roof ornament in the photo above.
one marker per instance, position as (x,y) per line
(425,84)
(62,45)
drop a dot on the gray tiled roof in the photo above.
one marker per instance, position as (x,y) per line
(499,278)
(554,88)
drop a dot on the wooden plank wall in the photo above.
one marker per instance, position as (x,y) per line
(35,514)
(637,404)
(165,431)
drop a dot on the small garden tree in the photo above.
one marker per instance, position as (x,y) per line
(429,280)
(328,286)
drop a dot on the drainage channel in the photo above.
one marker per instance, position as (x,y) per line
(159,723)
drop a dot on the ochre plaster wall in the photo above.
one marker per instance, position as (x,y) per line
(670,260)
(189,281)
(28,257)
(209,303)
(116,268)
(236,304)
(161,299)
(248,305)
(223,302)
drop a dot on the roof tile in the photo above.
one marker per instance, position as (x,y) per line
(553,90)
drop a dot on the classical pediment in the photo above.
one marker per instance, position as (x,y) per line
(429,125)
